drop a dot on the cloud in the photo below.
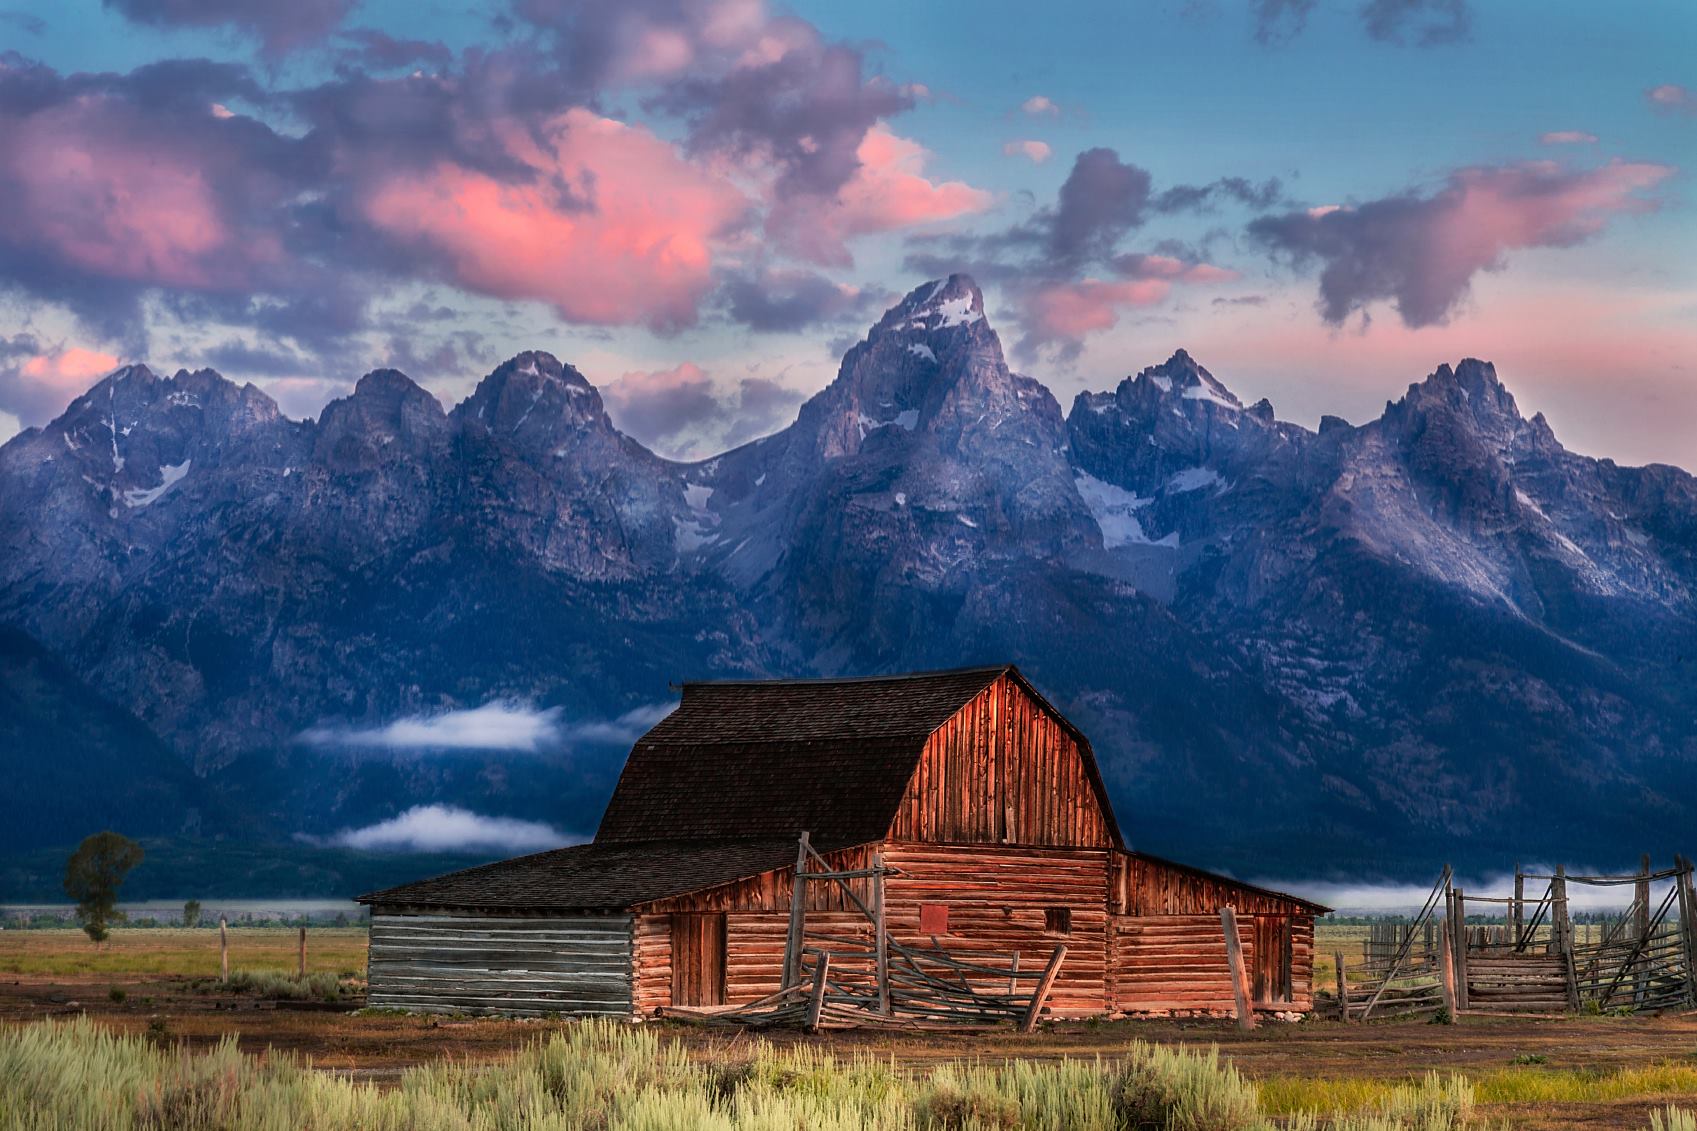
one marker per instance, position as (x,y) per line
(1567,137)
(683,413)
(493,726)
(279,27)
(1040,104)
(1036,152)
(446,828)
(783,300)
(1278,21)
(26,22)
(1419,23)
(612,227)
(1064,313)
(887,192)
(37,382)
(1421,252)
(1671,98)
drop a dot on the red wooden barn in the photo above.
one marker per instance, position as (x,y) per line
(981,801)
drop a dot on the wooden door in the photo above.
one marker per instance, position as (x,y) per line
(698,958)
(1272,958)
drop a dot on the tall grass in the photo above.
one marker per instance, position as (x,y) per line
(277,986)
(605,1076)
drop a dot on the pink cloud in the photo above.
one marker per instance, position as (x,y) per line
(1672,97)
(1036,152)
(888,192)
(1040,104)
(1567,137)
(36,387)
(1072,310)
(637,248)
(1423,252)
(102,190)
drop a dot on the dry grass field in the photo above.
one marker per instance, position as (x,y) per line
(1573,1072)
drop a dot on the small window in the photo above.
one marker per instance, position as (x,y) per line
(933,918)
(1057,920)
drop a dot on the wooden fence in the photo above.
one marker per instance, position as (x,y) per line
(1534,958)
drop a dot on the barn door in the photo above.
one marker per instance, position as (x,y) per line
(698,958)
(1272,959)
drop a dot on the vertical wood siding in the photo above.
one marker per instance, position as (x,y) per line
(488,964)
(1003,770)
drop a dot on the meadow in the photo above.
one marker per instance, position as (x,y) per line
(139,1033)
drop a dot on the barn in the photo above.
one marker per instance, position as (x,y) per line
(960,813)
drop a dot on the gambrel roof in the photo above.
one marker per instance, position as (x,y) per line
(738,771)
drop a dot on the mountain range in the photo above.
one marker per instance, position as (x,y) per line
(1359,650)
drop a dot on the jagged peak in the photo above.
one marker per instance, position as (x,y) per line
(533,390)
(1472,385)
(1180,376)
(937,305)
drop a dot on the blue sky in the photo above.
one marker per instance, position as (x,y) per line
(699,202)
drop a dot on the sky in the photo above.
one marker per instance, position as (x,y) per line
(701,203)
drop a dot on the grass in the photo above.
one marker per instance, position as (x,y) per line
(598,1074)
(1517,1086)
(275,986)
(55,953)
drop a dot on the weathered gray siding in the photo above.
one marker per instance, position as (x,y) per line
(478,964)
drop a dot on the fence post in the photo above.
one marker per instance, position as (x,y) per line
(798,902)
(1458,923)
(883,936)
(816,1001)
(300,956)
(1641,925)
(1564,935)
(1239,975)
(223,949)
(1517,910)
(1343,988)
(1446,964)
(1688,927)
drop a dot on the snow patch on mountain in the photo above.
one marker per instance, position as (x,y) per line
(170,476)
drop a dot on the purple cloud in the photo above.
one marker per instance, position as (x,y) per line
(1420,252)
(1278,21)
(1419,23)
(279,27)
(1671,98)
(785,300)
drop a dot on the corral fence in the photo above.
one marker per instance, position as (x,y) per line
(1533,958)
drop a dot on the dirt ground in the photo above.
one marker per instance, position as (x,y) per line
(43,976)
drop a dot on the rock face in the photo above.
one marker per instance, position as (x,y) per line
(1292,649)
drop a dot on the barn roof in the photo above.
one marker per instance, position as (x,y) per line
(594,877)
(776,757)
(721,788)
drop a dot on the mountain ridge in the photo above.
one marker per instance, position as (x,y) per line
(1437,623)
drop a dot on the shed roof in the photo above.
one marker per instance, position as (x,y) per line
(595,877)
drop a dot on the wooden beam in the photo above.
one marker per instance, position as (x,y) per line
(1446,965)
(1458,921)
(1239,973)
(1564,935)
(1343,988)
(1040,996)
(882,934)
(1687,925)
(816,1002)
(1517,913)
(798,912)
(223,949)
(300,956)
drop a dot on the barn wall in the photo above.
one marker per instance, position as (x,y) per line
(1003,770)
(1144,886)
(996,898)
(1164,963)
(435,963)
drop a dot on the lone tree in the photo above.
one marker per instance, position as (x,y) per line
(93,876)
(191,913)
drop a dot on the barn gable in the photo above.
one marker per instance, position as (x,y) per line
(1007,768)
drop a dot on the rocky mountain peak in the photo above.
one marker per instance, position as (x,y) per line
(388,415)
(533,397)
(1468,399)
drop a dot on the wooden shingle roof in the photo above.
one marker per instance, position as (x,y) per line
(776,757)
(593,877)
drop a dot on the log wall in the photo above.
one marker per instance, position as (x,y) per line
(1177,963)
(485,964)
(996,899)
(1003,770)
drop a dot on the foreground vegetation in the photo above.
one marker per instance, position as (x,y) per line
(79,1075)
